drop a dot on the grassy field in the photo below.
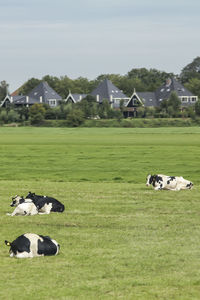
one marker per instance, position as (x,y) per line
(119,239)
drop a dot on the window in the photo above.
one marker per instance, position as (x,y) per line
(162,90)
(184,99)
(193,99)
(52,102)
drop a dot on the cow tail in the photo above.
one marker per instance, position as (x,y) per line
(7,243)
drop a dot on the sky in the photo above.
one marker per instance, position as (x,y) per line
(88,38)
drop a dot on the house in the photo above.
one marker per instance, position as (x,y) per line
(105,90)
(154,99)
(18,100)
(74,98)
(45,94)
(171,84)
(42,93)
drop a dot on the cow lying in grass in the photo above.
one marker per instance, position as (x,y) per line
(45,203)
(24,208)
(31,245)
(163,182)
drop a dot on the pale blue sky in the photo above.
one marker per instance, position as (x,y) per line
(88,37)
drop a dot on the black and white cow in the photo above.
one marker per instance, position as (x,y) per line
(163,182)
(31,245)
(20,202)
(45,204)
(26,208)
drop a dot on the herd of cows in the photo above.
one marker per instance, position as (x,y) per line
(31,244)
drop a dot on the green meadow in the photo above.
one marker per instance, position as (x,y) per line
(119,239)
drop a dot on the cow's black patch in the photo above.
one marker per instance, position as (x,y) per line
(21,244)
(189,185)
(158,178)
(47,247)
(21,200)
(40,201)
(172,178)
(151,179)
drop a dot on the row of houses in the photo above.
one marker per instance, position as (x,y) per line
(43,93)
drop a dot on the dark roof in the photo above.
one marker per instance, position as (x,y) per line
(78,97)
(169,86)
(107,90)
(19,100)
(24,100)
(148,98)
(45,91)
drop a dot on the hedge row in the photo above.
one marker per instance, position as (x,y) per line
(129,123)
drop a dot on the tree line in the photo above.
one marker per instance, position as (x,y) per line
(141,79)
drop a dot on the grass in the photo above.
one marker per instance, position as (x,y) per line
(119,239)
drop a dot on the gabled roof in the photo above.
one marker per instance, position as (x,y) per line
(19,100)
(107,90)
(169,86)
(134,100)
(45,91)
(75,97)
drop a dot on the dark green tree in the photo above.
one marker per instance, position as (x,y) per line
(3,89)
(193,85)
(28,86)
(75,117)
(197,108)
(37,113)
(192,70)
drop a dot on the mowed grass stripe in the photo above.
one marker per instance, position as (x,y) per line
(97,155)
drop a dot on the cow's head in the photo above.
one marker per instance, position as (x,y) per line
(11,251)
(151,179)
(16,200)
(30,195)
